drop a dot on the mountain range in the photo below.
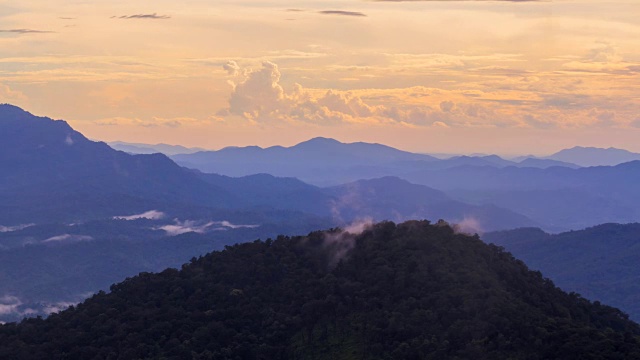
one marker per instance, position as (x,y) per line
(86,215)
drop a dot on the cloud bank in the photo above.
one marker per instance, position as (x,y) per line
(150,215)
(4,229)
(187,226)
(257,95)
(68,238)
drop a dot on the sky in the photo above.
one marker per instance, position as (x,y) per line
(448,76)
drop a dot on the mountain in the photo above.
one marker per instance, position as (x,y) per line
(560,198)
(392,198)
(592,156)
(407,291)
(319,161)
(46,166)
(600,262)
(136,148)
(544,163)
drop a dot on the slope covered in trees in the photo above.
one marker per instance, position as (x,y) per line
(600,262)
(407,291)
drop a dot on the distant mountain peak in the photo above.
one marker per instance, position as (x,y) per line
(319,141)
(594,156)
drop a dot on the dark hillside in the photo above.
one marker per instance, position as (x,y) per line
(407,291)
(600,262)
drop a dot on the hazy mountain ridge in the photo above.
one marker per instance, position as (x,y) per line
(600,262)
(557,195)
(328,162)
(411,290)
(138,148)
(593,156)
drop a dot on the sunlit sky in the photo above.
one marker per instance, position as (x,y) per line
(506,77)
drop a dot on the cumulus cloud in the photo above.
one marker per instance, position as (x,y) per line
(68,238)
(447,106)
(232,68)
(259,96)
(150,215)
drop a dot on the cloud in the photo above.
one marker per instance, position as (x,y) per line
(153,16)
(68,238)
(4,229)
(447,106)
(25,31)
(56,307)
(340,242)
(341,13)
(257,95)
(187,226)
(232,68)
(229,225)
(604,53)
(9,305)
(154,122)
(150,215)
(260,96)
(469,226)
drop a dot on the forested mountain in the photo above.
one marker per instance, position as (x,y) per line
(600,263)
(407,291)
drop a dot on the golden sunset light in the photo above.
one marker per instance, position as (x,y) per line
(415,74)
